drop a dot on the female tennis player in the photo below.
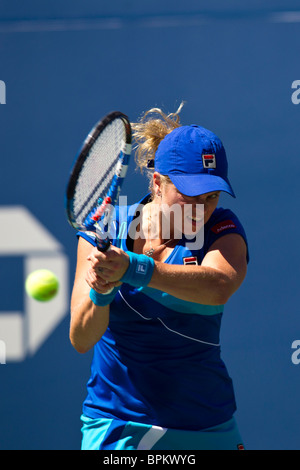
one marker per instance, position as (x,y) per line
(157,378)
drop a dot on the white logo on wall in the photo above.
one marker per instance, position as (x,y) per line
(2,92)
(2,352)
(22,333)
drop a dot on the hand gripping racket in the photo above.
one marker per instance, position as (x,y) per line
(97,176)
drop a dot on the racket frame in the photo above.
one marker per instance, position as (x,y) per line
(102,233)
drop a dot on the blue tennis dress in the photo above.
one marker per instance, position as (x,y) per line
(157,378)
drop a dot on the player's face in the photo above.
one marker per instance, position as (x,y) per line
(209,201)
(195,210)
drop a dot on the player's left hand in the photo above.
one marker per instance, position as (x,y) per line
(108,267)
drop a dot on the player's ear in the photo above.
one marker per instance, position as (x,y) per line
(157,183)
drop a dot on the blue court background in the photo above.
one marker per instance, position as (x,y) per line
(66,64)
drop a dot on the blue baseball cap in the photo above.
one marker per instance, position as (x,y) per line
(195,160)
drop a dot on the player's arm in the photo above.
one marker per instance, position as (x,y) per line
(88,321)
(221,273)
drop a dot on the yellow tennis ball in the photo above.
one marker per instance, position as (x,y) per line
(42,285)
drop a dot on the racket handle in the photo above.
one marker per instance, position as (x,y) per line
(103,246)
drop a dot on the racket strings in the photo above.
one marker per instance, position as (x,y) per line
(90,200)
(98,170)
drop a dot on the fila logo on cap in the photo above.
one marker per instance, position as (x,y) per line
(209,160)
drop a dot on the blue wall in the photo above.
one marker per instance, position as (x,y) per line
(66,64)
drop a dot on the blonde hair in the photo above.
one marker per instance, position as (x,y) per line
(152,128)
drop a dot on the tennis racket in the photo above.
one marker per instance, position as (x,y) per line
(97,176)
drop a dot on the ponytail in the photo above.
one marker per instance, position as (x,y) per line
(152,128)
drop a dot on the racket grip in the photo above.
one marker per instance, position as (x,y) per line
(103,246)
